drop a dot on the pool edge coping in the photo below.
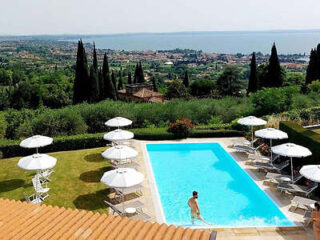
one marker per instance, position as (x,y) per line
(157,201)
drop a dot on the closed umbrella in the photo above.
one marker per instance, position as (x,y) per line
(311,172)
(118,122)
(118,135)
(122,178)
(252,121)
(271,134)
(36,141)
(120,152)
(291,150)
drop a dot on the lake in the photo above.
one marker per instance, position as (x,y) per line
(288,42)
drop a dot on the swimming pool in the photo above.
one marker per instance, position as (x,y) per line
(228,197)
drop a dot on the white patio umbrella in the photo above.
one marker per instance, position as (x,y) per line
(251,121)
(122,178)
(291,150)
(271,134)
(118,122)
(120,152)
(36,141)
(311,172)
(118,135)
(37,162)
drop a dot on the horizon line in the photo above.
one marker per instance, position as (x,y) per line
(155,33)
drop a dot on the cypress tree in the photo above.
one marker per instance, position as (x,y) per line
(93,88)
(114,82)
(318,62)
(136,74)
(141,75)
(312,67)
(95,59)
(101,85)
(81,76)
(186,79)
(129,78)
(109,89)
(154,84)
(253,81)
(120,84)
(275,77)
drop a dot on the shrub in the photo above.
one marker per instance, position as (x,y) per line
(59,123)
(3,126)
(314,87)
(202,87)
(181,128)
(302,136)
(176,89)
(273,100)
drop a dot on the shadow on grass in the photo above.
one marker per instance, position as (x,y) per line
(94,176)
(92,201)
(96,157)
(9,185)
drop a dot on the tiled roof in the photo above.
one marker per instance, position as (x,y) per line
(20,220)
(146,93)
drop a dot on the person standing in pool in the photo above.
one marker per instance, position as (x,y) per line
(193,204)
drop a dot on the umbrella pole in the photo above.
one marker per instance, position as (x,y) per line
(251,136)
(271,151)
(37,150)
(291,170)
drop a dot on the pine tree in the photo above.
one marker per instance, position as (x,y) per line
(81,76)
(120,84)
(154,84)
(253,81)
(93,88)
(186,79)
(109,89)
(312,67)
(275,76)
(318,62)
(129,78)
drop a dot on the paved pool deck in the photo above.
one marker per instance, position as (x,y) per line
(151,198)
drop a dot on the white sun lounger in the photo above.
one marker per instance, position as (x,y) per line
(247,149)
(272,167)
(305,190)
(33,198)
(38,187)
(303,203)
(278,177)
(137,205)
(130,164)
(244,142)
(134,189)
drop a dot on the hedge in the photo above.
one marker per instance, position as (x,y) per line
(11,148)
(304,137)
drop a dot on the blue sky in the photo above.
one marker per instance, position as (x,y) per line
(124,16)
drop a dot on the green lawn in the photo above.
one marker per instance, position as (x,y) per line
(75,183)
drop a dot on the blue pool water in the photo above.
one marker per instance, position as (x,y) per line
(227,194)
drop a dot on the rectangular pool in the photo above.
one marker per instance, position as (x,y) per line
(228,197)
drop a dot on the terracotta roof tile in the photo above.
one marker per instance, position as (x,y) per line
(19,220)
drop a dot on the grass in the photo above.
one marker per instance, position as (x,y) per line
(75,183)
